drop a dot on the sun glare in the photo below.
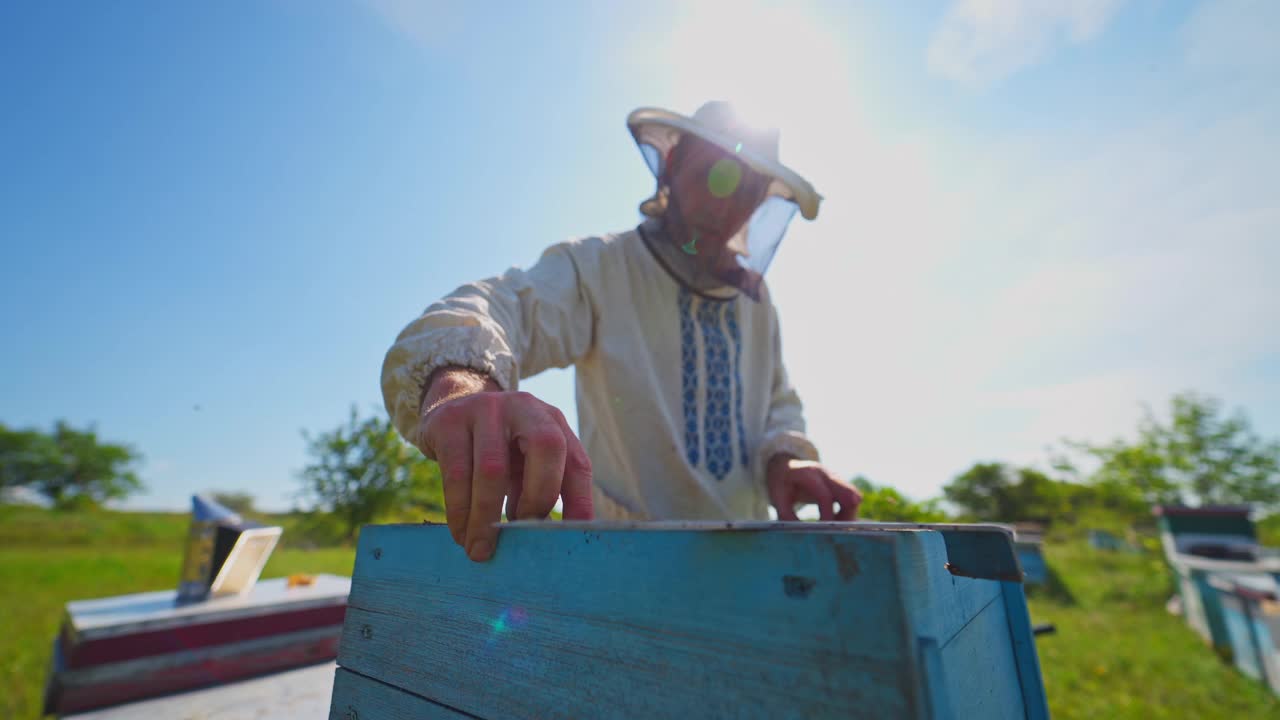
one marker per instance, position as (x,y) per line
(776,63)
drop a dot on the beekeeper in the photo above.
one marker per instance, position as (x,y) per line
(684,406)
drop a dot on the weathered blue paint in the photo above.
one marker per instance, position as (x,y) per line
(1034,569)
(1245,652)
(569,621)
(367,699)
(981,554)
(1264,620)
(1251,615)
(1024,650)
(937,703)
(1208,604)
(1202,602)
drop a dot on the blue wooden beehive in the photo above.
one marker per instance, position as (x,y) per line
(1200,543)
(689,620)
(1251,614)
(1035,569)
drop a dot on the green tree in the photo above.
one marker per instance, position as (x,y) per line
(886,504)
(237,502)
(982,492)
(24,456)
(1200,455)
(362,471)
(70,467)
(999,492)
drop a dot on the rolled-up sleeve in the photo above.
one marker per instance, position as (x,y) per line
(508,327)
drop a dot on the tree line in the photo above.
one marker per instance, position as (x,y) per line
(362,472)
(1199,455)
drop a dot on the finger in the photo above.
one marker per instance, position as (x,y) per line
(575,489)
(783,500)
(814,485)
(542,443)
(448,438)
(489,479)
(847,498)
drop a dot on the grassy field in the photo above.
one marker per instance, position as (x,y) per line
(48,558)
(1116,653)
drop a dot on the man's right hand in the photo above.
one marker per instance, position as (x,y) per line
(492,445)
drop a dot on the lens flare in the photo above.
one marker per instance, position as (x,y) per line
(724,177)
(509,619)
(691,247)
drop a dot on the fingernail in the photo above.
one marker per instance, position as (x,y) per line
(480,550)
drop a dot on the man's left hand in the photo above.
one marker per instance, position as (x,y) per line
(794,482)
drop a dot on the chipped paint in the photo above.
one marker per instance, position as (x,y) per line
(797,586)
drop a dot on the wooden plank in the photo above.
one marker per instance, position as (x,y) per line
(1265,618)
(636,623)
(937,701)
(981,672)
(973,550)
(967,648)
(153,611)
(1245,651)
(357,697)
(1018,617)
(938,605)
(103,685)
(206,634)
(984,554)
(301,693)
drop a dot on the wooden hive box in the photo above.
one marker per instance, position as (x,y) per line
(132,647)
(1251,613)
(299,694)
(1201,602)
(769,620)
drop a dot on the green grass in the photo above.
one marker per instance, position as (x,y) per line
(1116,653)
(48,558)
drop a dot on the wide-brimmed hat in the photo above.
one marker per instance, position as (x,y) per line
(656,131)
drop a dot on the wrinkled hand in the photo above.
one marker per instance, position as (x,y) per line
(794,482)
(493,445)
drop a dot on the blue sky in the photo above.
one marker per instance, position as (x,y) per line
(1038,216)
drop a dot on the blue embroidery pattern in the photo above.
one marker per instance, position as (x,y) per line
(689,377)
(715,441)
(715,424)
(731,319)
